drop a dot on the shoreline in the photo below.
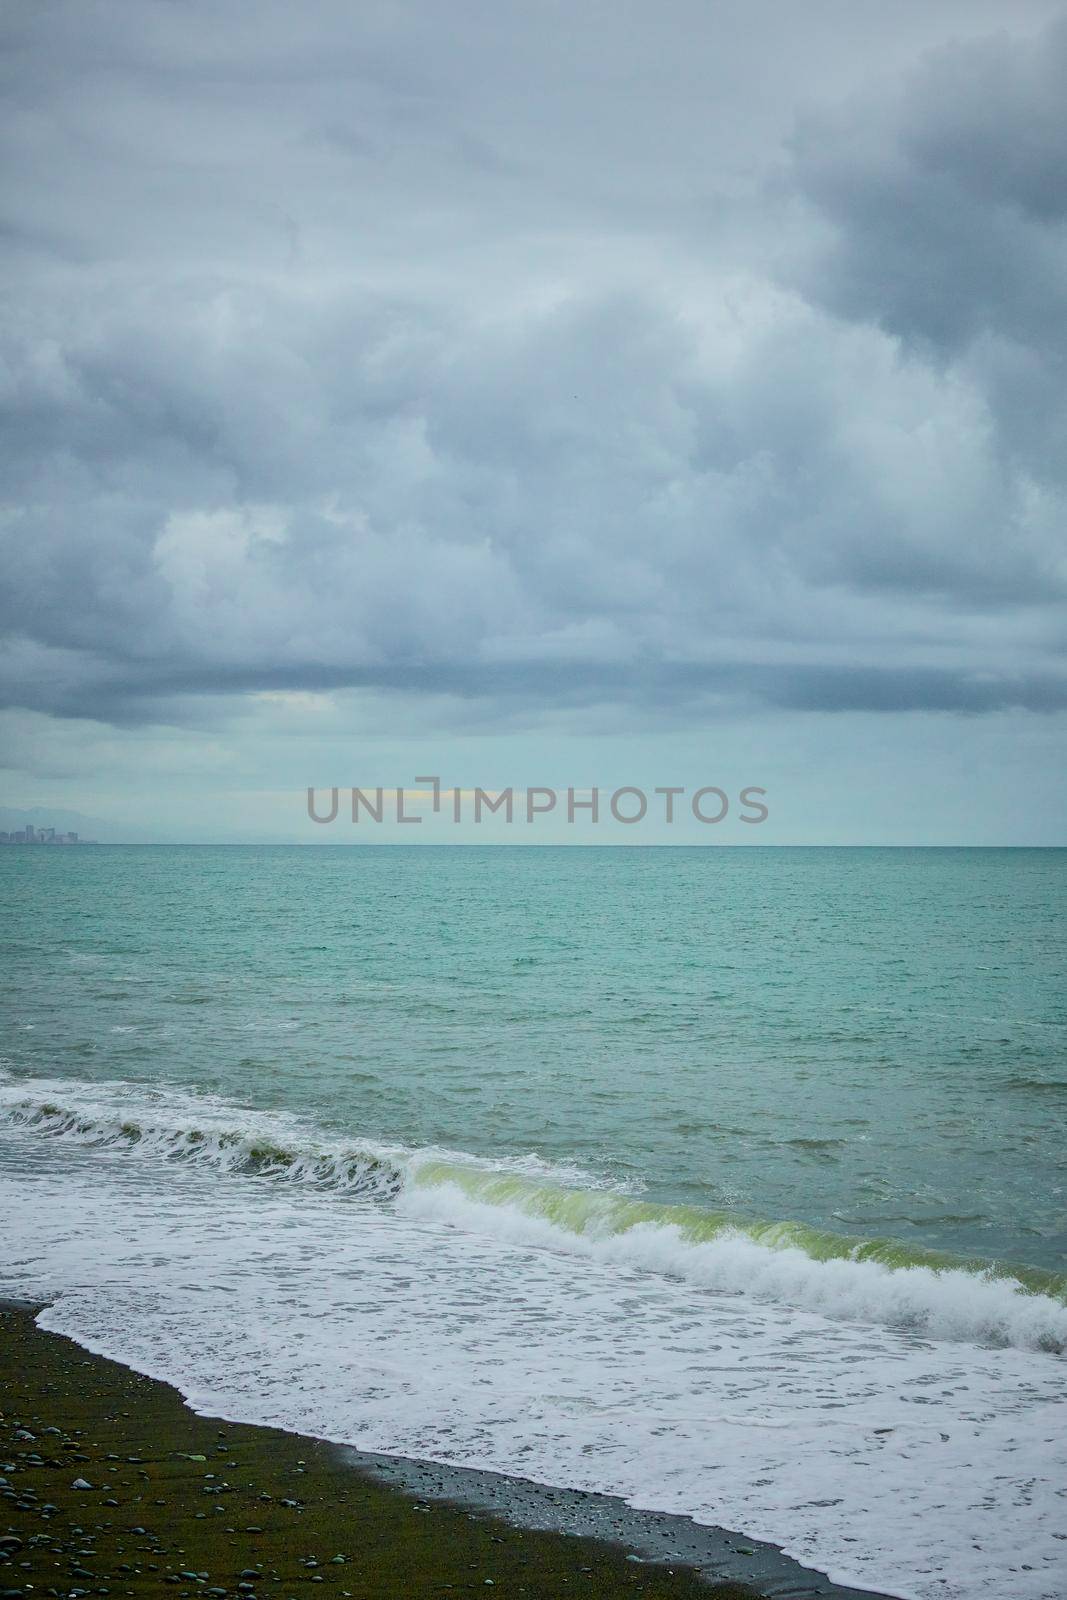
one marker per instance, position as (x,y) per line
(717,1555)
(202,1505)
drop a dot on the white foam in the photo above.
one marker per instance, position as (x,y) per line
(209,1131)
(939,1304)
(919,1468)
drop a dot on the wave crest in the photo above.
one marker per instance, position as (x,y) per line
(531,1202)
(242,1153)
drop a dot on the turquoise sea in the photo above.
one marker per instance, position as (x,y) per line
(602,1166)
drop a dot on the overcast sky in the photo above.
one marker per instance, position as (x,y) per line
(586,393)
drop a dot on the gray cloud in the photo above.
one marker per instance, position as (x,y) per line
(454,360)
(950,194)
(948,199)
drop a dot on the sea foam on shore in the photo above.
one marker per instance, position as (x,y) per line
(277,1278)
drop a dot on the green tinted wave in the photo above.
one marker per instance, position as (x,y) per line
(598,1214)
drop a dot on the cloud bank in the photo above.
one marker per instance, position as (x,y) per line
(536,360)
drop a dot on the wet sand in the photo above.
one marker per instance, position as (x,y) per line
(183,1505)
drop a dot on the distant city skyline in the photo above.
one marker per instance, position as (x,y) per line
(31,835)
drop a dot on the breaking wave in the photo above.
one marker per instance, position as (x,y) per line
(534,1203)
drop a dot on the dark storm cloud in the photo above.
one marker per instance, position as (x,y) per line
(950,195)
(130,694)
(407,357)
(948,198)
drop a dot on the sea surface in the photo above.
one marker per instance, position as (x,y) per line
(731,1181)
